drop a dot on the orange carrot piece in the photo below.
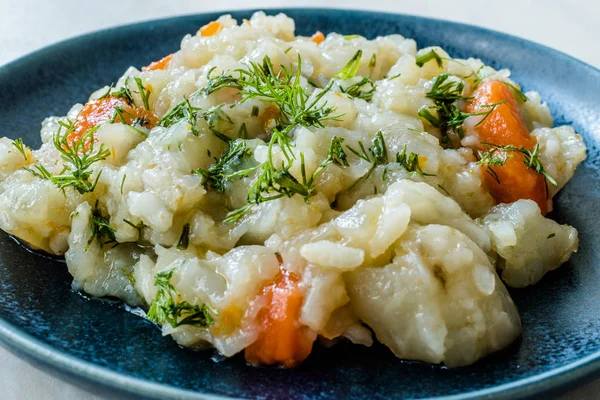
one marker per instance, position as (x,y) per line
(212,28)
(99,111)
(161,64)
(318,37)
(504,127)
(282,340)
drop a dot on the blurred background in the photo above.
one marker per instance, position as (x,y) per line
(572,27)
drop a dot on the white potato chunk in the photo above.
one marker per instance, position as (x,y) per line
(438,301)
(100,270)
(528,244)
(561,151)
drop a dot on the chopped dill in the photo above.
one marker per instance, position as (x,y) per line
(123,182)
(425,58)
(444,189)
(373,61)
(351,37)
(350,70)
(410,162)
(166,309)
(272,183)
(129,275)
(221,81)
(184,111)
(125,92)
(21,147)
(78,157)
(445,93)
(242,132)
(550,236)
(518,93)
(254,112)
(282,88)
(143,92)
(530,158)
(227,166)
(101,230)
(139,226)
(376,154)
(364,89)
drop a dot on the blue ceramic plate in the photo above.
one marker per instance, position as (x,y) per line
(101,346)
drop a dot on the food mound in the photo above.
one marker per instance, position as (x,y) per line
(258,191)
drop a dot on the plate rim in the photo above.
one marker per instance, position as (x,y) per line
(32,350)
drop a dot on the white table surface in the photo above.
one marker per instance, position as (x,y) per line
(26,25)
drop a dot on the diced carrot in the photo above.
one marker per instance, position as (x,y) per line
(210,29)
(163,63)
(283,340)
(505,127)
(318,37)
(99,111)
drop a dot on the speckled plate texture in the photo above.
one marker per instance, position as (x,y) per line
(102,347)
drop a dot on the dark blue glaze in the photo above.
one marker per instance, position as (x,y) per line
(104,348)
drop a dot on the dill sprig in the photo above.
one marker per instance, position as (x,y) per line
(449,119)
(360,90)
(376,154)
(101,229)
(78,156)
(410,162)
(139,226)
(184,111)
(142,91)
(125,93)
(373,61)
(350,70)
(425,58)
(518,93)
(166,309)
(21,147)
(490,158)
(219,82)
(282,88)
(272,183)
(227,166)
(531,158)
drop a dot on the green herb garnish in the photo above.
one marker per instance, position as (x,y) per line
(360,90)
(350,70)
(518,93)
(227,166)
(273,183)
(123,182)
(166,309)
(143,92)
(21,147)
(425,58)
(445,93)
(101,230)
(78,157)
(530,158)
(410,162)
(373,61)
